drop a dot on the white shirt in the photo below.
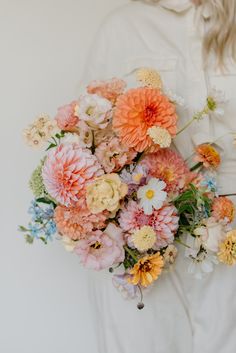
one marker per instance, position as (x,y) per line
(182,315)
(167,36)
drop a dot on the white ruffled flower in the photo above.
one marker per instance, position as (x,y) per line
(202,261)
(152,195)
(94,110)
(83,136)
(211,234)
(160,136)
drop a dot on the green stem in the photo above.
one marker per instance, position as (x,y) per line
(130,252)
(186,126)
(196,166)
(182,243)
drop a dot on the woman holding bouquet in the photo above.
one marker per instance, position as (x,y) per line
(192,44)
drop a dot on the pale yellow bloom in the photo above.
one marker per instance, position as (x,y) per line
(170,254)
(160,136)
(105,193)
(144,238)
(40,131)
(149,77)
(227,252)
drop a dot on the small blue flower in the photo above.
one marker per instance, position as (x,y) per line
(210,183)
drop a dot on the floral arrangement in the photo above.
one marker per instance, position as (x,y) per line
(118,195)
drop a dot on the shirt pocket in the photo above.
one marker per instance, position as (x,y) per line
(166,66)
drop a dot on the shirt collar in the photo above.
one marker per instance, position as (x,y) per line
(176,5)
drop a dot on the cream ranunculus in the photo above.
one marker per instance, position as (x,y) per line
(105,193)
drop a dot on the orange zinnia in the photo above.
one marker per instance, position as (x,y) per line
(208,156)
(223,208)
(147,270)
(139,109)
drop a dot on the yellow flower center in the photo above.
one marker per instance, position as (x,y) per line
(96,245)
(90,111)
(137,177)
(150,194)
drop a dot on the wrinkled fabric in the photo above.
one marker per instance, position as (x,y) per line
(182,314)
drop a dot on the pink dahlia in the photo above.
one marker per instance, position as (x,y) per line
(77,221)
(66,116)
(66,171)
(100,250)
(170,167)
(110,89)
(113,156)
(164,221)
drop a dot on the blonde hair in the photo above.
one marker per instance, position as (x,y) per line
(220,36)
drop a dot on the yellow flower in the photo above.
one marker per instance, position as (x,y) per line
(227,253)
(149,77)
(144,238)
(160,136)
(105,193)
(147,270)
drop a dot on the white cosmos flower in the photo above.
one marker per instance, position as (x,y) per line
(152,195)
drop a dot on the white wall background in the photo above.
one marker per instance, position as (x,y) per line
(43,45)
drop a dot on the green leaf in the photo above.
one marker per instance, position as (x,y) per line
(44,200)
(29,239)
(52,145)
(22,229)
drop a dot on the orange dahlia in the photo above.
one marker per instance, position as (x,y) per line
(140,109)
(223,209)
(77,221)
(208,156)
(147,270)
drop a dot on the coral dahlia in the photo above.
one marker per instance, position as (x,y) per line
(140,109)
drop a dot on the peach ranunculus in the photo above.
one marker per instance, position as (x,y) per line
(105,193)
(113,156)
(110,89)
(66,171)
(208,156)
(66,116)
(77,221)
(137,111)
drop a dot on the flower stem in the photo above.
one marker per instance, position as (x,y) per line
(196,166)
(130,252)
(182,243)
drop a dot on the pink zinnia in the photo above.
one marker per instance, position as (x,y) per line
(66,171)
(110,89)
(66,118)
(77,221)
(164,221)
(101,250)
(170,167)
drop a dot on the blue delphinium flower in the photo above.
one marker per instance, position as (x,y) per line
(42,225)
(210,182)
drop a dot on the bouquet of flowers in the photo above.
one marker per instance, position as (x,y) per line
(118,195)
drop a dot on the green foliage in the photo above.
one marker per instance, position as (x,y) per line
(193,206)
